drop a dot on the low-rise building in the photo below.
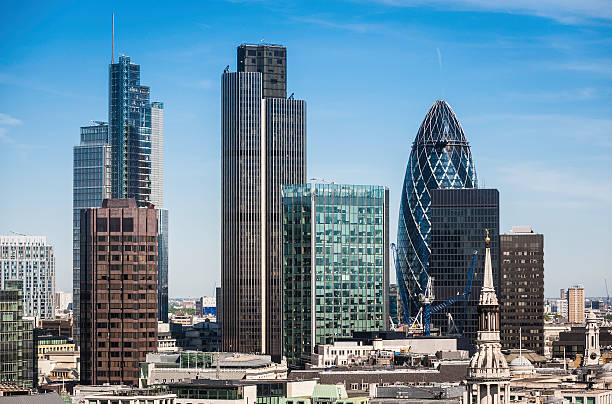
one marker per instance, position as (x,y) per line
(164,368)
(208,391)
(165,341)
(357,381)
(58,367)
(51,343)
(356,352)
(120,395)
(55,326)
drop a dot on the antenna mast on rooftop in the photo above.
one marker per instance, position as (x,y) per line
(113,41)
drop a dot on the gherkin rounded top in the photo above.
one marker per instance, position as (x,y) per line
(440,125)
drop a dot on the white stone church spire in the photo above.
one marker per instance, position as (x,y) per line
(488,379)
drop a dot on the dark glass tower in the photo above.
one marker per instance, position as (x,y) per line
(130,132)
(521,291)
(271,62)
(263,148)
(440,158)
(459,220)
(136,134)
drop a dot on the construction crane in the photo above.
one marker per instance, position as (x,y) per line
(427,298)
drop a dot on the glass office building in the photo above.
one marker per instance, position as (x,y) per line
(263,148)
(91,185)
(130,132)
(335,264)
(440,158)
(460,219)
(17,361)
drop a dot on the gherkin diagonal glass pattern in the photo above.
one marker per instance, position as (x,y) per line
(440,158)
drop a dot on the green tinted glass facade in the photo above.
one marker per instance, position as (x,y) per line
(335,264)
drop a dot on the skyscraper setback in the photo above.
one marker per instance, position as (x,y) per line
(122,159)
(263,148)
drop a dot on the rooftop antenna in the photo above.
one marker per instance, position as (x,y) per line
(113,41)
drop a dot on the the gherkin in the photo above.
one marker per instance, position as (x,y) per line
(440,158)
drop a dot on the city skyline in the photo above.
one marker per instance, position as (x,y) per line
(538,127)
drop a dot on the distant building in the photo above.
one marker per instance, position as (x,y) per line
(17,366)
(575,304)
(165,341)
(356,352)
(202,336)
(51,343)
(206,306)
(119,290)
(263,148)
(58,326)
(460,219)
(336,264)
(31,260)
(165,368)
(572,343)
(63,300)
(521,292)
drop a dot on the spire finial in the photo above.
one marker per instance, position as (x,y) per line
(487,239)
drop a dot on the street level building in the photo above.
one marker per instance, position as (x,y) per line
(335,264)
(16,338)
(522,289)
(118,290)
(31,260)
(459,219)
(263,148)
(575,304)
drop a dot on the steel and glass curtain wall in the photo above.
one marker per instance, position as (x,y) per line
(440,158)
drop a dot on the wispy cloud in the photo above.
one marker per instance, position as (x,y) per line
(557,185)
(439,58)
(571,12)
(596,132)
(569,95)
(603,67)
(6,119)
(361,28)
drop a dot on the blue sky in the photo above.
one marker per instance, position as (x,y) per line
(530,83)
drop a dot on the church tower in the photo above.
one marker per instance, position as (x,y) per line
(592,353)
(488,380)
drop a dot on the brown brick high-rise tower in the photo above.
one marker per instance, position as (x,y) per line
(118,290)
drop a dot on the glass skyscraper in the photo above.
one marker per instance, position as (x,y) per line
(459,220)
(440,158)
(122,159)
(335,264)
(129,115)
(263,148)
(91,185)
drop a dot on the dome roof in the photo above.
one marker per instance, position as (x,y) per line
(520,361)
